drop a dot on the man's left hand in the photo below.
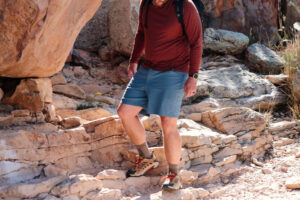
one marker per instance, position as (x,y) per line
(190,87)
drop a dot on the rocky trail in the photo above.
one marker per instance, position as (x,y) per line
(60,137)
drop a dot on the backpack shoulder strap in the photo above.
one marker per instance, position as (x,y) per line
(179,13)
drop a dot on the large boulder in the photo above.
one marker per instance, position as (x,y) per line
(95,31)
(233,86)
(226,42)
(123,24)
(257,19)
(32,94)
(37,36)
(264,60)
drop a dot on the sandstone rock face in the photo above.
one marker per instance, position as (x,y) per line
(263,59)
(123,24)
(96,30)
(30,45)
(255,18)
(32,94)
(226,42)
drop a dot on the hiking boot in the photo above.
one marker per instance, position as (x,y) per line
(142,165)
(171,182)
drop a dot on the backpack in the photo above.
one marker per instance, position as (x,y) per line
(179,11)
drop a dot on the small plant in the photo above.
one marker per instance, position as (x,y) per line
(291,55)
(89,105)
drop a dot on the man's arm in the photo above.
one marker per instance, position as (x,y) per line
(139,45)
(193,30)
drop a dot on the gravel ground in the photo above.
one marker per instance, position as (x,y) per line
(263,183)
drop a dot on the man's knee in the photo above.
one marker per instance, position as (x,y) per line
(169,124)
(127,111)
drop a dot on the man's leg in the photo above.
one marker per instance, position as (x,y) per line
(137,134)
(134,128)
(172,143)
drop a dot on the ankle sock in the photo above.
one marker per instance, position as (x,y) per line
(144,150)
(173,169)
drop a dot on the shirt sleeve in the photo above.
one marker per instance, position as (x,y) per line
(139,43)
(193,29)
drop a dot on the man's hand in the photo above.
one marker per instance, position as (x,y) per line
(132,69)
(190,87)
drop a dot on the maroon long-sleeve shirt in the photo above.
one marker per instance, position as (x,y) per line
(166,47)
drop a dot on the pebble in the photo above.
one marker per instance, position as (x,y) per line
(266,171)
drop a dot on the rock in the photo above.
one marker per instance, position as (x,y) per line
(78,185)
(71,197)
(50,113)
(111,174)
(79,71)
(225,161)
(23,174)
(20,113)
(260,93)
(52,170)
(182,194)
(1,94)
(225,42)
(123,24)
(109,128)
(95,89)
(31,94)
(71,122)
(58,79)
(104,194)
(293,183)
(284,128)
(70,90)
(95,32)
(62,102)
(264,60)
(248,17)
(188,177)
(31,188)
(137,183)
(75,163)
(106,99)
(90,126)
(297,155)
(105,54)
(226,152)
(89,114)
(218,61)
(196,137)
(266,171)
(152,123)
(236,121)
(114,184)
(279,79)
(283,142)
(68,137)
(29,32)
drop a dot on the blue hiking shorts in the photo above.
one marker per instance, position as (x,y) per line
(157,92)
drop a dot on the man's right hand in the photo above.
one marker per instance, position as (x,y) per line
(132,69)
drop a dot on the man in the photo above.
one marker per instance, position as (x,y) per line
(170,69)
